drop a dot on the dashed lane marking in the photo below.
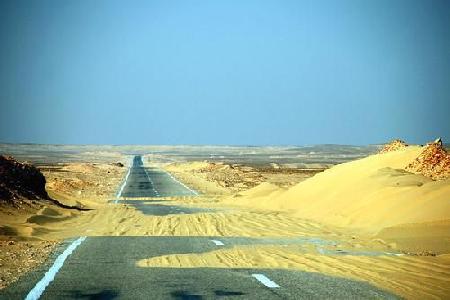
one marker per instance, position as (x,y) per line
(218,243)
(266,281)
(119,193)
(185,186)
(148,177)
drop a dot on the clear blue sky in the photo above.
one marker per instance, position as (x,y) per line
(224,72)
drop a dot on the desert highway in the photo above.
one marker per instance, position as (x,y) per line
(105,267)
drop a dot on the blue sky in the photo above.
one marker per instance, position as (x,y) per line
(224,72)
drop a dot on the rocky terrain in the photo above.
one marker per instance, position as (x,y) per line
(22,190)
(17,258)
(233,178)
(20,181)
(83,184)
(433,162)
(27,197)
(393,146)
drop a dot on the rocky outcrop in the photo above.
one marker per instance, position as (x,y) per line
(393,146)
(20,181)
(433,161)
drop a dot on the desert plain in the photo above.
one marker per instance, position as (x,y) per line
(378,214)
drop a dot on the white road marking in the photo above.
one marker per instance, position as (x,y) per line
(218,243)
(49,276)
(171,176)
(266,281)
(119,193)
(151,181)
(396,254)
(148,177)
(174,179)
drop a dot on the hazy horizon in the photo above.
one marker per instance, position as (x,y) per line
(224,73)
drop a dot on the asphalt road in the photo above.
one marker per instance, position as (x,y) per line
(105,267)
(152,182)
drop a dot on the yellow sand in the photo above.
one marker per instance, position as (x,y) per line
(410,277)
(368,194)
(84,184)
(119,219)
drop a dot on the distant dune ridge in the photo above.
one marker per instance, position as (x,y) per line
(392,188)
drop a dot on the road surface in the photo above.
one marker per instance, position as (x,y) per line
(105,267)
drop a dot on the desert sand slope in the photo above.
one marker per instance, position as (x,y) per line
(369,194)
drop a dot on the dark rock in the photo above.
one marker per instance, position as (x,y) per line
(20,181)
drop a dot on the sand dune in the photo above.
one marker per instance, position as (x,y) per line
(367,194)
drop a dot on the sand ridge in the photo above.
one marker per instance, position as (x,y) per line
(367,194)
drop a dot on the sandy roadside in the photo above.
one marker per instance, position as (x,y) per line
(23,240)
